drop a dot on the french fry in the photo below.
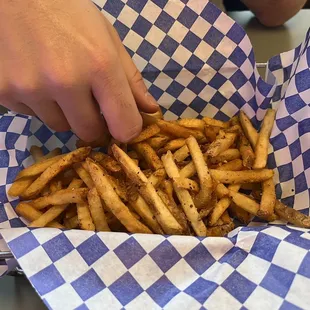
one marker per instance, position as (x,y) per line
(291,215)
(157,142)
(248,129)
(51,154)
(181,154)
(246,152)
(67,176)
(172,146)
(245,176)
(84,175)
(236,128)
(192,123)
(72,222)
(31,214)
(55,185)
(221,191)
(188,171)
(268,199)
(233,165)
(112,200)
(225,156)
(244,202)
(211,133)
(149,119)
(146,133)
(222,206)
(166,220)
(119,187)
(220,231)
(20,185)
(206,184)
(38,168)
(106,161)
(221,144)
(57,167)
(215,123)
(241,215)
(63,196)
(211,205)
(157,177)
(178,131)
(36,153)
(149,155)
(84,217)
(226,218)
(133,155)
(187,184)
(234,121)
(184,197)
(70,211)
(261,147)
(96,210)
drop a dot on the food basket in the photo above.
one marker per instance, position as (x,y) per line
(196,62)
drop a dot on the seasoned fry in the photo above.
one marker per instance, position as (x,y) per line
(149,155)
(63,196)
(222,206)
(261,147)
(192,123)
(225,156)
(236,128)
(20,185)
(186,183)
(172,146)
(55,185)
(245,176)
(146,133)
(246,152)
(72,222)
(234,165)
(84,175)
(149,119)
(157,142)
(220,231)
(188,171)
(248,129)
(148,192)
(31,214)
(244,202)
(60,165)
(106,161)
(70,211)
(211,205)
(96,211)
(268,199)
(291,215)
(215,123)
(211,133)
(241,215)
(51,154)
(181,154)
(221,144)
(157,177)
(112,200)
(206,184)
(178,131)
(226,218)
(84,217)
(36,153)
(184,197)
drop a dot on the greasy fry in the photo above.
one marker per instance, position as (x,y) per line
(36,153)
(51,154)
(72,222)
(146,133)
(186,183)
(60,165)
(63,196)
(157,142)
(84,175)
(206,184)
(148,192)
(221,144)
(149,119)
(84,217)
(215,123)
(211,133)
(192,123)
(220,231)
(20,185)
(184,197)
(268,199)
(245,176)
(291,215)
(241,215)
(234,165)
(149,155)
(248,129)
(244,202)
(225,156)
(96,210)
(106,161)
(181,154)
(112,200)
(261,147)
(172,146)
(157,177)
(246,152)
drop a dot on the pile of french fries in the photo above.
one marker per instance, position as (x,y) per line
(185,177)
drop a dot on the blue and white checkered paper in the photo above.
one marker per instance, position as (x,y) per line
(196,61)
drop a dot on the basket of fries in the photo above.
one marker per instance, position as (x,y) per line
(216,184)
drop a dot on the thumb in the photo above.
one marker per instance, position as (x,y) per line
(144,100)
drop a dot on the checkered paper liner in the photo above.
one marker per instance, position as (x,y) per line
(195,61)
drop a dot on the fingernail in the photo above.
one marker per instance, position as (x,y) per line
(151,100)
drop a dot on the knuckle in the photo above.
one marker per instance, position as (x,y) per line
(26,86)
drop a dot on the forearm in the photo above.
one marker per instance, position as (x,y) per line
(273,13)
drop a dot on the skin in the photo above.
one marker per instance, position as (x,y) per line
(64,62)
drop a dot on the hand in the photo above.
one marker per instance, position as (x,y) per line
(64,62)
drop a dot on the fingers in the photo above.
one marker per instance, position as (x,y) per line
(144,99)
(18,107)
(82,113)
